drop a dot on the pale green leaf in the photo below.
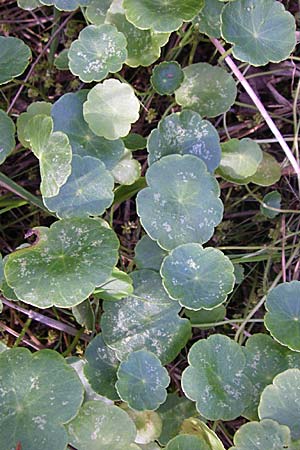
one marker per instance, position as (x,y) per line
(187,442)
(148,425)
(266,435)
(14,58)
(33,109)
(272,199)
(148,255)
(127,170)
(116,287)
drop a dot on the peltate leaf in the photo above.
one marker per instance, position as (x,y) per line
(7,136)
(273,200)
(147,320)
(39,393)
(111,108)
(65,5)
(167,77)
(14,58)
(33,109)
(65,265)
(197,277)
(127,170)
(208,20)
(215,378)
(261,31)
(148,255)
(268,171)
(283,316)
(185,133)
(208,90)
(96,11)
(182,208)
(187,442)
(142,381)
(280,401)
(99,50)
(267,435)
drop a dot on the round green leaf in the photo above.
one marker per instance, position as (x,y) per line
(14,58)
(280,401)
(173,412)
(111,108)
(148,255)
(215,379)
(283,316)
(147,320)
(182,208)
(67,117)
(142,381)
(134,141)
(101,368)
(33,109)
(240,159)
(208,90)
(266,435)
(39,393)
(167,77)
(28,5)
(87,192)
(208,20)
(65,265)
(148,425)
(265,359)
(7,136)
(187,442)
(199,278)
(261,31)
(53,151)
(143,46)
(268,171)
(273,200)
(161,15)
(185,133)
(64,5)
(127,170)
(61,61)
(203,316)
(99,50)
(96,11)
(101,426)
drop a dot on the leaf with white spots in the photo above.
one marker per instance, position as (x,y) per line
(183,208)
(127,170)
(111,108)
(240,160)
(96,11)
(280,401)
(99,50)
(14,58)
(208,20)
(187,442)
(268,171)
(208,90)
(38,394)
(283,314)
(215,380)
(101,426)
(65,265)
(53,151)
(65,5)
(101,368)
(148,255)
(7,136)
(185,133)
(142,381)
(266,435)
(261,31)
(143,46)
(199,278)
(87,192)
(67,115)
(33,109)
(265,358)
(147,320)
(160,15)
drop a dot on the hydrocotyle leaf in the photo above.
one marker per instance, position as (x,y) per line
(39,393)
(7,136)
(283,314)
(148,255)
(267,435)
(33,109)
(142,381)
(148,426)
(159,15)
(99,50)
(167,77)
(261,31)
(272,199)
(208,90)
(147,320)
(116,287)
(215,378)
(187,442)
(111,108)
(65,5)
(183,208)
(99,425)
(185,133)
(14,58)
(65,265)
(67,115)
(280,401)
(208,21)
(87,192)
(127,170)
(199,278)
